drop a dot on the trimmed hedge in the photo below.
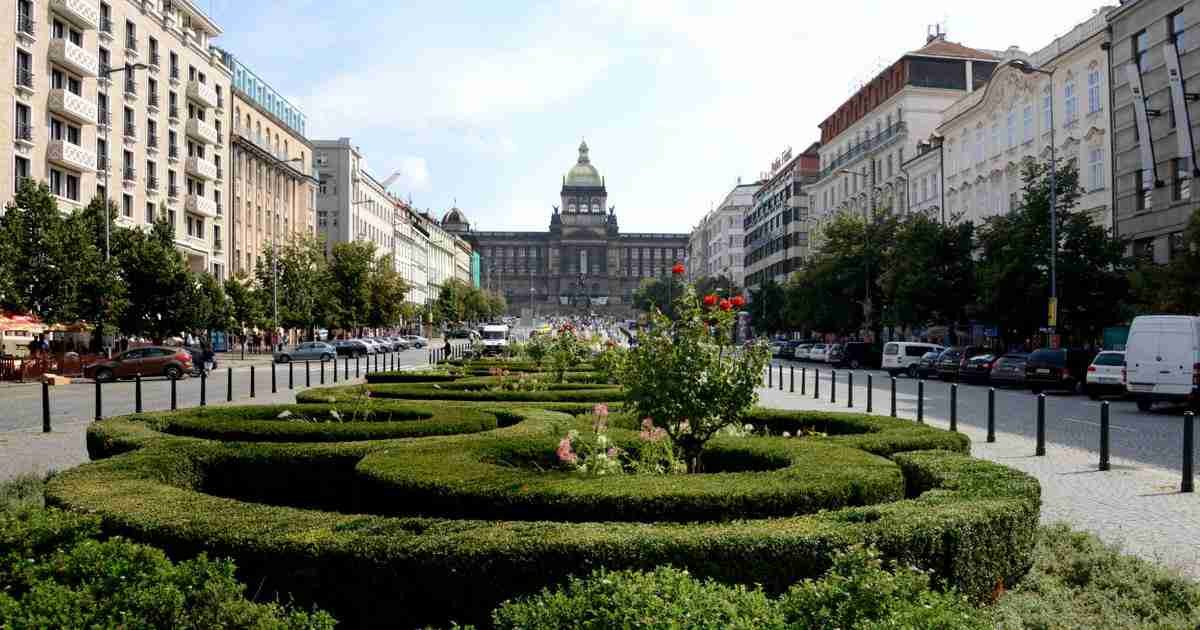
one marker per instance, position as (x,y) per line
(404,376)
(466,390)
(971,523)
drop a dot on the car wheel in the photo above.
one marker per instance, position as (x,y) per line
(172,373)
(854,364)
(283,358)
(104,375)
(913,372)
(326,357)
(1145,404)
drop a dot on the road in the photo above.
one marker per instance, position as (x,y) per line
(21,407)
(1153,438)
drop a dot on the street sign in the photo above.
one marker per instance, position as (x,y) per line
(1053,312)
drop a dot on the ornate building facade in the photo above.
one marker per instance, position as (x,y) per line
(582,263)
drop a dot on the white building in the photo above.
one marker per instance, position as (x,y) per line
(987,135)
(716,243)
(351,204)
(865,142)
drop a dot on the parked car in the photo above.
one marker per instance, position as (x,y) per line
(778,348)
(148,361)
(401,343)
(1009,369)
(1106,375)
(859,354)
(1162,359)
(307,351)
(904,357)
(927,366)
(818,353)
(352,348)
(801,351)
(977,369)
(461,333)
(417,341)
(1057,368)
(834,353)
(953,358)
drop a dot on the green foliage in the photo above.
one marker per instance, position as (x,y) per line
(350,269)
(148,260)
(610,361)
(244,304)
(767,307)
(930,277)
(658,294)
(536,348)
(387,289)
(1170,288)
(688,380)
(1079,582)
(458,301)
(304,285)
(565,352)
(478,389)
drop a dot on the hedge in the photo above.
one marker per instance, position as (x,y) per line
(970,522)
(467,390)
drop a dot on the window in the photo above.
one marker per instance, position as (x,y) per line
(21,171)
(56,182)
(1093,91)
(1145,195)
(130,35)
(1072,102)
(149,213)
(127,205)
(1047,110)
(24,69)
(1176,27)
(1140,42)
(1095,169)
(24,122)
(1182,189)
(1011,120)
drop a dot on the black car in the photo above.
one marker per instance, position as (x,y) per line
(953,358)
(858,354)
(1057,368)
(977,369)
(461,333)
(351,348)
(927,366)
(1009,369)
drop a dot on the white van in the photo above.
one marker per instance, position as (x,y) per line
(900,357)
(495,339)
(1162,359)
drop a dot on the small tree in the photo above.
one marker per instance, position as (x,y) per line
(565,352)
(686,376)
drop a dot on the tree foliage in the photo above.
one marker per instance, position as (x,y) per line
(659,293)
(159,304)
(459,302)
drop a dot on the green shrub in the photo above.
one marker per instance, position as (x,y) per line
(400,376)
(466,390)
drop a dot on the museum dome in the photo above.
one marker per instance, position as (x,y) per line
(454,215)
(583,174)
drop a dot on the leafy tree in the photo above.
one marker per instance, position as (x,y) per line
(658,293)
(496,305)
(350,269)
(103,296)
(451,303)
(245,303)
(209,307)
(722,285)
(40,271)
(1169,288)
(305,293)
(387,290)
(767,307)
(160,306)
(815,299)
(930,274)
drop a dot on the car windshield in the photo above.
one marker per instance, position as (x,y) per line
(1110,358)
(892,348)
(1050,356)
(930,356)
(493,334)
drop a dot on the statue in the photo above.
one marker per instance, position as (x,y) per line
(612,209)
(555,209)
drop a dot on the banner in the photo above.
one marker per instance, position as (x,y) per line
(1183,123)
(1145,144)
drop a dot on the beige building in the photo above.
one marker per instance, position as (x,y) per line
(273,192)
(149,137)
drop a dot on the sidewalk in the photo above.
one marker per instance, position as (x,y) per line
(1132,505)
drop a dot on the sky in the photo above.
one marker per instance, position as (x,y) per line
(483,104)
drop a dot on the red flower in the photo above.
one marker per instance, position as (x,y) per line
(710,300)
(726,305)
(677,269)
(738,301)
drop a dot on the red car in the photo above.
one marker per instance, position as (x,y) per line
(148,361)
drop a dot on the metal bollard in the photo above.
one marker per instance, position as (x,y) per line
(991,436)
(803,381)
(816,383)
(770,377)
(850,390)
(322,371)
(203,387)
(893,396)
(346,369)
(252,381)
(792,379)
(98,401)
(1041,425)
(954,406)
(228,384)
(307,374)
(1189,436)
(291,380)
(356,366)
(45,406)
(780,377)
(869,385)
(833,387)
(137,393)
(921,401)
(335,376)
(174,398)
(274,388)
(1104,465)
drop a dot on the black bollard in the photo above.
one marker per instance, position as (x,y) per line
(780,377)
(228,384)
(816,383)
(991,436)
(98,401)
(137,393)
(869,385)
(274,389)
(322,371)
(1104,436)
(1041,425)
(243,350)
(770,377)
(850,390)
(45,406)
(346,369)
(356,366)
(252,381)
(792,379)
(1189,436)
(291,379)
(335,376)
(174,399)
(803,381)
(953,406)
(307,374)
(921,401)
(893,396)
(203,387)
(833,387)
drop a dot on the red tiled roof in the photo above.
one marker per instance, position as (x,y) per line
(943,48)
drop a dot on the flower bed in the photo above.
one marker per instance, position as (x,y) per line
(310,519)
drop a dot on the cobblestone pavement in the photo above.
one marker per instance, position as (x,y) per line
(1134,505)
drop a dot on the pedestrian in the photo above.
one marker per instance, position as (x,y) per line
(209,357)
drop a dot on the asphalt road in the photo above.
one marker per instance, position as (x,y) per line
(21,405)
(1153,438)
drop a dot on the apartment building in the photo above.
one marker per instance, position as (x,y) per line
(777,229)
(121,99)
(715,244)
(351,204)
(412,252)
(1154,59)
(272,196)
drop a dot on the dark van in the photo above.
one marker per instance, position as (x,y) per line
(1057,369)
(860,354)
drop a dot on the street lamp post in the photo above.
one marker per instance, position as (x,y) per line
(869,217)
(1026,68)
(105,74)
(275,265)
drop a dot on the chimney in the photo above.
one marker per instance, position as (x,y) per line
(934,32)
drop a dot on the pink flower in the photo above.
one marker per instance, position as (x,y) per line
(651,433)
(565,454)
(600,410)
(612,452)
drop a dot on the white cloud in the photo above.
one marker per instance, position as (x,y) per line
(414,175)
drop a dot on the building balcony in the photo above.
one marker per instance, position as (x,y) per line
(81,13)
(202,131)
(152,142)
(155,62)
(152,184)
(106,28)
(71,156)
(130,132)
(24,134)
(174,76)
(173,191)
(202,206)
(202,93)
(101,164)
(26,26)
(102,118)
(73,106)
(74,58)
(173,152)
(218,246)
(129,174)
(25,80)
(173,114)
(152,102)
(200,167)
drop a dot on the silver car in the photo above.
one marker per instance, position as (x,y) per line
(416,341)
(307,351)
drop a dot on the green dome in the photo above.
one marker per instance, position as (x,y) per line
(583,173)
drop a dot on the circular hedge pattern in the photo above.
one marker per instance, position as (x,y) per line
(473,389)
